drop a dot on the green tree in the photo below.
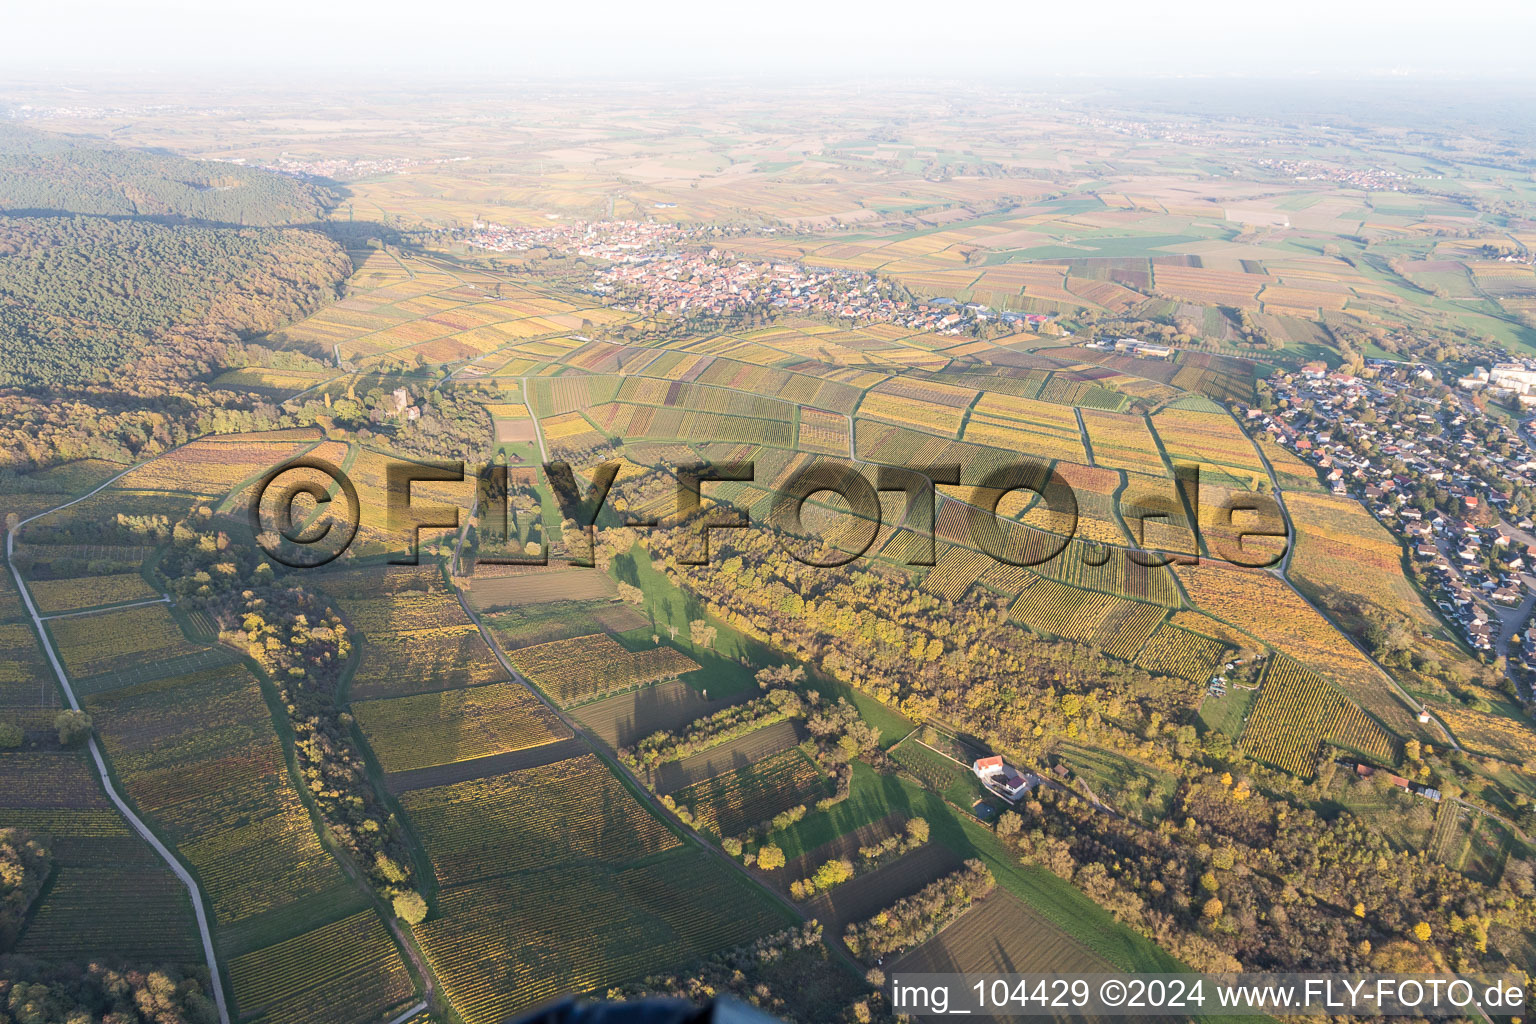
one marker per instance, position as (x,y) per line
(10,736)
(411,908)
(73,727)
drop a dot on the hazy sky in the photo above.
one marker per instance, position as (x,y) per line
(1010,38)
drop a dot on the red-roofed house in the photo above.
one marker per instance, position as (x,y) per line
(1001,778)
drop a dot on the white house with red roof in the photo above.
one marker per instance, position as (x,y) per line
(1002,778)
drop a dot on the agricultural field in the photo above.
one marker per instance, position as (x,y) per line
(731,803)
(348,972)
(568,811)
(554,879)
(198,755)
(415,636)
(66,595)
(625,718)
(671,776)
(1343,552)
(1124,441)
(1502,733)
(26,680)
(1134,788)
(948,778)
(1176,652)
(1209,438)
(429,729)
(1263,606)
(1297,711)
(513,590)
(211,468)
(499,279)
(91,645)
(582,668)
(55,797)
(1001,934)
(868,894)
(1118,626)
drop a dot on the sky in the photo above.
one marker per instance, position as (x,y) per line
(984,39)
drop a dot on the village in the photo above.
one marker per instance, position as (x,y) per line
(650,268)
(1449,480)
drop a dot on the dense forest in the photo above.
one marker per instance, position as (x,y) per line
(47,173)
(35,993)
(81,298)
(127,284)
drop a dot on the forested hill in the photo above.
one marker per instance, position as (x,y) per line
(44,173)
(127,283)
(81,298)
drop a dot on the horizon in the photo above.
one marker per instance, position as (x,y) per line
(687,39)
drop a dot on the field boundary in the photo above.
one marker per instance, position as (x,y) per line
(181,872)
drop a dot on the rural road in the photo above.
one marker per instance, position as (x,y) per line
(101,764)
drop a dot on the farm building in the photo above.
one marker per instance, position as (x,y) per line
(1002,778)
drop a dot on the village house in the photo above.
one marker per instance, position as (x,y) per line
(1002,778)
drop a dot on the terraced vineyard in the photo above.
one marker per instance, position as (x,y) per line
(1297,710)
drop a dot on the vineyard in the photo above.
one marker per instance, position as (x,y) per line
(1176,652)
(591,666)
(907,412)
(500,948)
(1297,711)
(1117,625)
(1340,547)
(430,729)
(939,773)
(996,935)
(731,803)
(570,811)
(55,795)
(198,755)
(416,635)
(1262,605)
(1503,736)
(210,468)
(1207,437)
(25,679)
(347,972)
(822,432)
(112,641)
(954,571)
(89,591)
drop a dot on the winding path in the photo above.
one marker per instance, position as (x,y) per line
(101,764)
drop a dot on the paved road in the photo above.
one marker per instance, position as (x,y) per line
(101,764)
